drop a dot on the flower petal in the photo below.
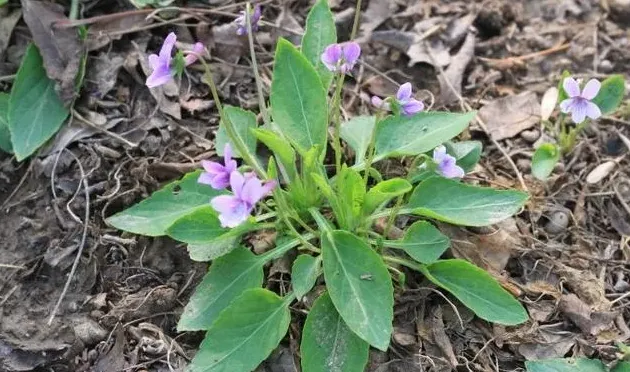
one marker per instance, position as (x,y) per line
(578,112)
(167,48)
(351,52)
(197,51)
(412,107)
(236,182)
(224,203)
(227,153)
(592,110)
(404,93)
(212,167)
(252,190)
(571,87)
(205,178)
(159,77)
(232,211)
(256,15)
(331,56)
(452,171)
(591,89)
(154,61)
(439,153)
(565,106)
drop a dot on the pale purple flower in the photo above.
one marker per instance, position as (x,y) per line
(246,192)
(254,18)
(216,174)
(446,164)
(341,57)
(404,99)
(579,103)
(160,63)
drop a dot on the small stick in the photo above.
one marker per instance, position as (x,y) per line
(86,221)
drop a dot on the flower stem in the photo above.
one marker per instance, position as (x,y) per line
(371,151)
(357,17)
(281,250)
(388,212)
(410,264)
(74,10)
(236,140)
(252,52)
(336,113)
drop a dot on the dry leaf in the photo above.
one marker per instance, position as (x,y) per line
(600,172)
(377,12)
(548,103)
(453,75)
(508,116)
(550,345)
(60,47)
(102,33)
(103,72)
(590,322)
(7,24)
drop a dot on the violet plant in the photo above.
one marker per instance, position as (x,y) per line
(579,104)
(327,218)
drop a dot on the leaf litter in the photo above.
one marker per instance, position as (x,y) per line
(573,281)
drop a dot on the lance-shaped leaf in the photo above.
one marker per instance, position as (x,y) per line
(320,32)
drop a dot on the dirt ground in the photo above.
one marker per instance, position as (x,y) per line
(565,256)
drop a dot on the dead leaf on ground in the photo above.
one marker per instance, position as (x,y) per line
(439,336)
(417,49)
(60,48)
(585,285)
(195,105)
(548,345)
(589,321)
(114,359)
(451,80)
(102,72)
(7,24)
(508,116)
(377,12)
(104,32)
(600,172)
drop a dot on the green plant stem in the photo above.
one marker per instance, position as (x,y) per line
(357,18)
(410,264)
(336,113)
(252,52)
(265,216)
(388,212)
(74,10)
(371,151)
(281,250)
(229,126)
(392,216)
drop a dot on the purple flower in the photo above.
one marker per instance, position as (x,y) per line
(247,191)
(341,57)
(254,18)
(163,72)
(404,99)
(216,174)
(446,164)
(579,104)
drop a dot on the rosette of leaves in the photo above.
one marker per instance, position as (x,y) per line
(243,321)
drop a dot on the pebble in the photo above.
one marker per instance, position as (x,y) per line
(605,66)
(523,165)
(558,222)
(530,135)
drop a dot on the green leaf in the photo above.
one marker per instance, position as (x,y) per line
(385,191)
(320,32)
(244,122)
(5,135)
(413,135)
(562,95)
(544,160)
(209,251)
(460,204)
(298,99)
(476,289)
(467,153)
(202,226)
(228,277)
(350,196)
(35,110)
(357,132)
(565,365)
(359,286)
(157,213)
(328,345)
(306,269)
(621,367)
(244,334)
(422,241)
(283,150)
(610,94)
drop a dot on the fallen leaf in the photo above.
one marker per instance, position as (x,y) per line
(376,13)
(451,80)
(585,285)
(194,105)
(7,24)
(600,172)
(619,219)
(439,337)
(102,73)
(589,321)
(60,48)
(548,103)
(508,116)
(104,32)
(548,345)
(433,52)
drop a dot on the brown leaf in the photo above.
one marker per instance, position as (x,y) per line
(586,285)
(60,48)
(439,335)
(508,116)
(590,322)
(377,12)
(102,72)
(7,24)
(451,80)
(550,345)
(102,33)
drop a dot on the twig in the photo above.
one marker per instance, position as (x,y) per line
(9,266)
(86,221)
(8,77)
(19,185)
(102,130)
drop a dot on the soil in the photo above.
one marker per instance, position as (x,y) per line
(565,256)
